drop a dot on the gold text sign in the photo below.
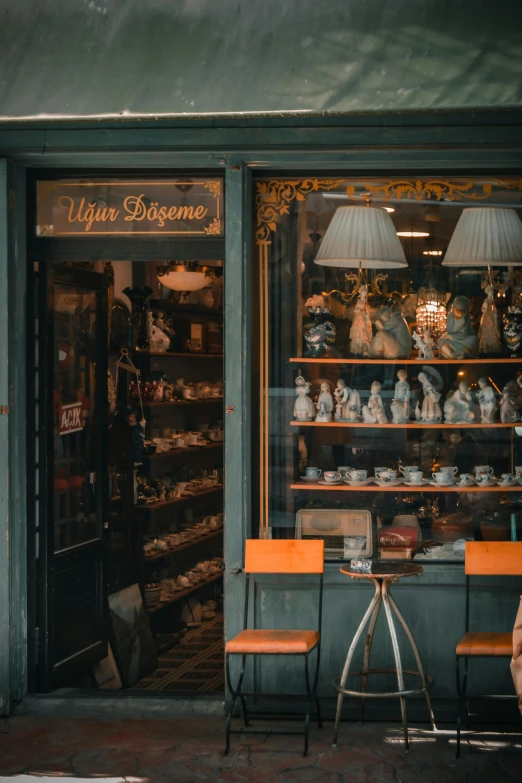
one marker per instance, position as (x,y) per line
(190,207)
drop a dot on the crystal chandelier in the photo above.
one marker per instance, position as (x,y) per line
(431,311)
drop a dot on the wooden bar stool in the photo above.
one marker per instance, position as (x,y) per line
(277,557)
(484,558)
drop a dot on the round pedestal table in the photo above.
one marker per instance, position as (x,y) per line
(383,575)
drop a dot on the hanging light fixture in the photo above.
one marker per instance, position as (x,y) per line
(361,238)
(431,310)
(184,278)
(486,236)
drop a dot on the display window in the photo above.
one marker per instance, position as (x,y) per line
(388,348)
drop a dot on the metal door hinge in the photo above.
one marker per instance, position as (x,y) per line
(4,410)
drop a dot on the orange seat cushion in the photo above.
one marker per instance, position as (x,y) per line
(500,644)
(273,642)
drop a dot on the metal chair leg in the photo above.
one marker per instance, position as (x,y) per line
(367,653)
(236,694)
(418,659)
(314,688)
(459,714)
(398,662)
(308,705)
(349,657)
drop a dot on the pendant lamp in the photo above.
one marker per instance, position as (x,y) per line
(361,238)
(183,278)
(486,236)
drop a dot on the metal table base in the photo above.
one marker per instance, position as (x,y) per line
(383,575)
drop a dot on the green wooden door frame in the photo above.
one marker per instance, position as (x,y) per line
(427,143)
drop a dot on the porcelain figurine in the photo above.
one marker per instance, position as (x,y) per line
(341,394)
(373,412)
(325,404)
(512,329)
(457,408)
(508,406)
(430,411)
(303,407)
(402,398)
(424,344)
(319,333)
(487,401)
(397,411)
(392,339)
(489,329)
(361,328)
(459,341)
(352,407)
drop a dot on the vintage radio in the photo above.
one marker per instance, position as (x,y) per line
(346,533)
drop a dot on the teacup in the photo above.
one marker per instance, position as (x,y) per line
(507,478)
(407,469)
(484,479)
(332,476)
(358,475)
(450,469)
(518,473)
(344,470)
(466,479)
(483,470)
(443,478)
(376,471)
(414,476)
(313,472)
(183,581)
(386,475)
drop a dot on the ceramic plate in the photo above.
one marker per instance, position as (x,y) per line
(507,483)
(310,480)
(330,483)
(357,483)
(465,486)
(442,483)
(416,483)
(388,483)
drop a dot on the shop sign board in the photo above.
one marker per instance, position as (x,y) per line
(71,418)
(75,208)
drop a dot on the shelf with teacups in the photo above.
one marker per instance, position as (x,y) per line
(410,425)
(175,541)
(398,362)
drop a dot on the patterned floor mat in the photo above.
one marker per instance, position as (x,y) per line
(195,664)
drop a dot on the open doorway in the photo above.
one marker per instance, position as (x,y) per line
(128,467)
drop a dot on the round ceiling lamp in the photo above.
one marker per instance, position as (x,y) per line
(361,238)
(183,278)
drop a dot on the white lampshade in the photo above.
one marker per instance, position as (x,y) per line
(361,238)
(178,278)
(486,236)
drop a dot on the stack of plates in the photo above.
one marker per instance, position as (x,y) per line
(152,595)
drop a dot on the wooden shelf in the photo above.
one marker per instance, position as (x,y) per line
(187,545)
(184,309)
(192,496)
(182,403)
(309,360)
(401,488)
(187,591)
(413,425)
(185,355)
(218,444)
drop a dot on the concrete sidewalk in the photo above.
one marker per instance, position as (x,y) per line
(190,750)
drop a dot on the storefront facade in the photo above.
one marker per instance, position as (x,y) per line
(269,165)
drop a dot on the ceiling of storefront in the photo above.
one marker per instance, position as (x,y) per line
(123,60)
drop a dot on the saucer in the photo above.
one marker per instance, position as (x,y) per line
(507,483)
(311,480)
(393,483)
(442,483)
(420,483)
(357,483)
(490,483)
(463,486)
(330,483)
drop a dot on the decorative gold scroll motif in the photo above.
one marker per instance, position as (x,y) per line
(214,227)
(437,189)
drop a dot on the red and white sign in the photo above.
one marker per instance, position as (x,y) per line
(71,418)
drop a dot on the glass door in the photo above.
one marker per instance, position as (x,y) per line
(73,431)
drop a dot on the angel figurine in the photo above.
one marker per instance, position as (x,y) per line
(424,344)
(325,404)
(459,341)
(373,412)
(457,408)
(508,406)
(352,407)
(489,329)
(430,411)
(361,329)
(303,407)
(487,401)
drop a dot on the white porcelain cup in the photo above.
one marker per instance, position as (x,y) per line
(406,469)
(508,478)
(466,479)
(386,476)
(442,478)
(358,475)
(450,469)
(483,470)
(414,476)
(376,471)
(312,472)
(331,476)
(345,471)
